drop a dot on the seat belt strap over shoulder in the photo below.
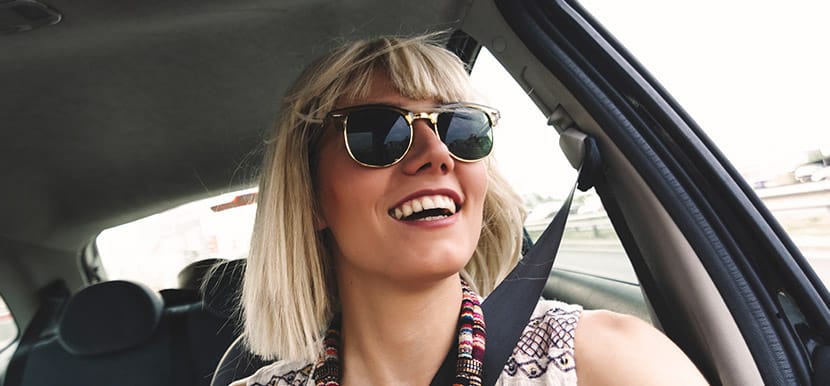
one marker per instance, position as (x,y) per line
(508,308)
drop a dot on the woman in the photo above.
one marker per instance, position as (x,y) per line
(380,215)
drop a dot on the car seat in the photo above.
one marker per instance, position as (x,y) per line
(193,275)
(110,333)
(222,292)
(206,330)
(124,333)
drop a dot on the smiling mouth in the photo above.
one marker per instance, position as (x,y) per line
(425,208)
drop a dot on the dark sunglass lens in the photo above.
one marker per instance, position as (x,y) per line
(467,133)
(377,137)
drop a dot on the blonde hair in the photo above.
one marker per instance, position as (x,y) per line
(289,292)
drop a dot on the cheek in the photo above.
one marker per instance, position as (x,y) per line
(336,197)
(482,179)
(326,181)
(477,181)
(346,191)
(332,195)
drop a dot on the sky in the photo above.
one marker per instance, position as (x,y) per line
(755,75)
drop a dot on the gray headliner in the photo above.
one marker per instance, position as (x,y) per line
(127,108)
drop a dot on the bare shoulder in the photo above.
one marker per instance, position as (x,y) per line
(612,348)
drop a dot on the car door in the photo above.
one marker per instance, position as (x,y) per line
(719,274)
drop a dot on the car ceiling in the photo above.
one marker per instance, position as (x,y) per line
(126,108)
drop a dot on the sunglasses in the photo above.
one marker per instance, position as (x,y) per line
(380,135)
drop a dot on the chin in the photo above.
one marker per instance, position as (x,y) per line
(432,268)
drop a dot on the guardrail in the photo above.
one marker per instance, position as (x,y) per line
(809,195)
(797,206)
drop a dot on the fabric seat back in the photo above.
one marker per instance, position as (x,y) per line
(111,333)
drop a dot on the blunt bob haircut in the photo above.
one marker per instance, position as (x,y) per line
(289,292)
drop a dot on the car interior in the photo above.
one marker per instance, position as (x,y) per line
(113,111)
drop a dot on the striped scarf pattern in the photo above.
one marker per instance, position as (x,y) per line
(471,340)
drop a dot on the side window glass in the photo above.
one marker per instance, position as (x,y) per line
(765,112)
(527,151)
(8,328)
(153,250)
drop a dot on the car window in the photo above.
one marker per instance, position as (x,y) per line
(154,249)
(758,92)
(527,152)
(8,327)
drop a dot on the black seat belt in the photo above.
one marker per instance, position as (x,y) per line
(508,308)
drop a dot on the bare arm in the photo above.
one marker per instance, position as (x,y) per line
(616,349)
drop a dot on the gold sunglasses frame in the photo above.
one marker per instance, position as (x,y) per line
(341,116)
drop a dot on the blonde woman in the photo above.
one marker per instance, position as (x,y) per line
(381,216)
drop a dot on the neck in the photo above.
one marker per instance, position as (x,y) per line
(393,334)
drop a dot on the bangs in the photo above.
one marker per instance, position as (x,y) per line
(417,71)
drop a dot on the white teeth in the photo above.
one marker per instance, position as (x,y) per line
(424,203)
(447,203)
(427,203)
(430,218)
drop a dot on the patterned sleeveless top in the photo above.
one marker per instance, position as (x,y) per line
(544,354)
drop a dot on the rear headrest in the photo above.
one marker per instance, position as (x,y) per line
(193,274)
(109,316)
(224,287)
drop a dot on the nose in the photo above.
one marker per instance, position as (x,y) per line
(427,153)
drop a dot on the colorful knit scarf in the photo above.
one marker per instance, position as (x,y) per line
(471,339)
